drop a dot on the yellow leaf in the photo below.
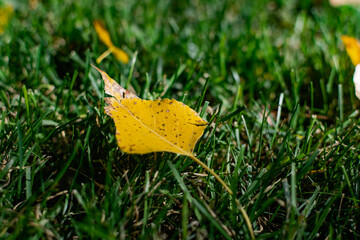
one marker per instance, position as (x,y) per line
(120,54)
(145,126)
(106,39)
(103,34)
(5,15)
(352,46)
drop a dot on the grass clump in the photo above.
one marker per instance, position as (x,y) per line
(291,157)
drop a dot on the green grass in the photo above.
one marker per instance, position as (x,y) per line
(291,157)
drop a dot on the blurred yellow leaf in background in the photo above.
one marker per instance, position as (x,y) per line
(5,14)
(104,36)
(352,46)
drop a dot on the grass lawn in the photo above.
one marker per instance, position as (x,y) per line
(271,77)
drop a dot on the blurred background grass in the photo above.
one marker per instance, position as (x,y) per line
(294,168)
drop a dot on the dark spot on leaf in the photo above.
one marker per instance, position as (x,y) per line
(167,110)
(163,125)
(159,104)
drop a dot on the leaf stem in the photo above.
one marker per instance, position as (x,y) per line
(242,210)
(104,55)
(212,173)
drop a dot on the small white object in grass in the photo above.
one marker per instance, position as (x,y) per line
(356,80)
